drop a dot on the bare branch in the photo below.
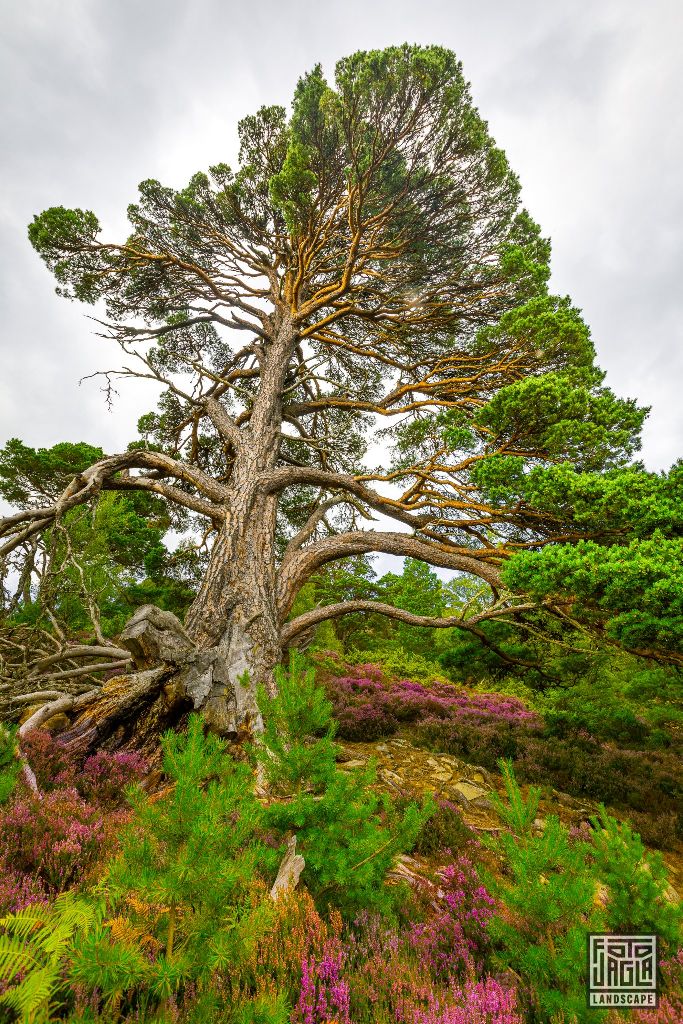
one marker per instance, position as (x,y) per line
(334,611)
(314,520)
(301,564)
(84,670)
(224,424)
(288,476)
(78,651)
(168,491)
(313,618)
(56,707)
(37,695)
(90,482)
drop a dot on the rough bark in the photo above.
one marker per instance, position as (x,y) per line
(231,639)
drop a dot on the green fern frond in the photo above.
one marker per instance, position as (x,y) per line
(14,958)
(33,995)
(36,942)
(23,922)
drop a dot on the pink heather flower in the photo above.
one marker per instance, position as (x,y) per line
(367,706)
(324,996)
(480,1002)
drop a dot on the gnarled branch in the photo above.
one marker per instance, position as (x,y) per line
(87,485)
(297,568)
(317,615)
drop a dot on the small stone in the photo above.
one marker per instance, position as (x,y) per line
(469,791)
(565,799)
(459,798)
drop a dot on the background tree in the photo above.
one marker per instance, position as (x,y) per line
(366,274)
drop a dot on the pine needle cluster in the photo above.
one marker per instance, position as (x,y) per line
(348,833)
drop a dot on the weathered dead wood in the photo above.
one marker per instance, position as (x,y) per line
(173,676)
(118,715)
(290,869)
(57,707)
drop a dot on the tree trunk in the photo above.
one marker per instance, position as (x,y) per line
(228,647)
(234,618)
(231,640)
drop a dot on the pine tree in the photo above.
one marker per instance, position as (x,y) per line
(636,882)
(347,833)
(184,891)
(548,896)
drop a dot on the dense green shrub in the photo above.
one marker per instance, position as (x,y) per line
(637,901)
(556,888)
(348,833)
(647,782)
(548,895)
(183,894)
(445,833)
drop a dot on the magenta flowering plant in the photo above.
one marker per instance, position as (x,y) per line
(103,777)
(452,941)
(477,1002)
(48,758)
(366,705)
(324,996)
(106,776)
(392,981)
(420,971)
(670,1008)
(19,889)
(55,839)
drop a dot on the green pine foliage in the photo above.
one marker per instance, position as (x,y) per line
(557,888)
(9,761)
(110,556)
(638,901)
(347,833)
(417,589)
(549,898)
(627,577)
(182,891)
(262,1010)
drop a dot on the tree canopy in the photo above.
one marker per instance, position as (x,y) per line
(365,287)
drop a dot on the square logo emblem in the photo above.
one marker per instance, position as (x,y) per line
(622,970)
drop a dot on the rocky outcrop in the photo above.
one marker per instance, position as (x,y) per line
(413,771)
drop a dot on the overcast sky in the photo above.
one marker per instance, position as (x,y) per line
(584,96)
